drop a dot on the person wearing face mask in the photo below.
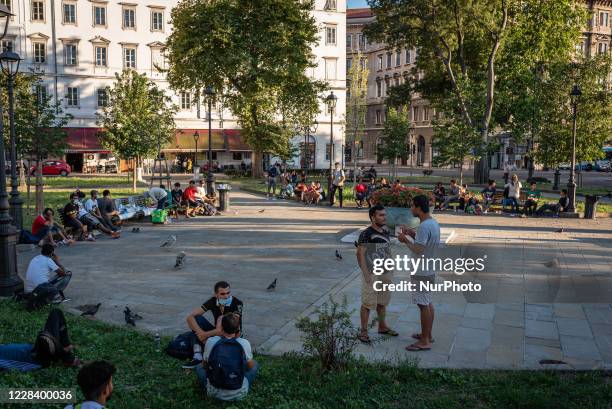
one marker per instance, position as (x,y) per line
(222,302)
(96,382)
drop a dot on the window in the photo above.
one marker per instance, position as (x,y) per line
(7,45)
(330,5)
(6,3)
(158,62)
(129,18)
(70,54)
(360,149)
(349,63)
(330,68)
(378,117)
(602,48)
(101,53)
(396,81)
(604,19)
(330,35)
(349,41)
(69,13)
(38,11)
(41,93)
(40,53)
(378,88)
(102,97)
(157,20)
(389,58)
(408,57)
(398,58)
(327,151)
(72,97)
(236,155)
(129,57)
(361,40)
(185,100)
(99,13)
(426,114)
(415,114)
(380,62)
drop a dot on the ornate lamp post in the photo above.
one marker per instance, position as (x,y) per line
(571,185)
(9,279)
(196,168)
(10,65)
(308,130)
(331,101)
(210,94)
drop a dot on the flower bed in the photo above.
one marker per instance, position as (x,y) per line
(399,197)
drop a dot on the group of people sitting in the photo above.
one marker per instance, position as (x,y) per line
(194,200)
(474,203)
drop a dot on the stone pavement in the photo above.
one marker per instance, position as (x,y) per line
(525,313)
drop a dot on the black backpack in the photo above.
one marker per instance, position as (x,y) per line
(226,364)
(42,295)
(181,346)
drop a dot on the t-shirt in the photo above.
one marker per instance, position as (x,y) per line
(377,245)
(454,190)
(158,193)
(213,306)
(361,188)
(106,205)
(38,272)
(273,172)
(428,235)
(201,191)
(534,194)
(91,204)
(225,394)
(38,224)
(190,193)
(338,176)
(86,405)
(177,195)
(514,189)
(564,202)
(488,192)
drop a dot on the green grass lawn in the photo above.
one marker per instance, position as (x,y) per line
(148,379)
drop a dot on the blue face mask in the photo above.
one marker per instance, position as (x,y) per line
(224,302)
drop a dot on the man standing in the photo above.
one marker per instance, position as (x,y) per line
(426,242)
(158,194)
(220,303)
(374,243)
(37,275)
(272,174)
(338,179)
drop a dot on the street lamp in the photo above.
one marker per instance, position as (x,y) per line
(571,185)
(308,130)
(196,172)
(9,279)
(210,94)
(9,61)
(331,101)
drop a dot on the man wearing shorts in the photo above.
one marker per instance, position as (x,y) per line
(426,242)
(374,243)
(272,174)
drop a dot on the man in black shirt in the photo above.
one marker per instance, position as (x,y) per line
(219,304)
(558,207)
(374,243)
(107,208)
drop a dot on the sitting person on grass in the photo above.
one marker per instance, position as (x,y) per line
(361,190)
(52,344)
(38,280)
(228,368)
(531,204)
(220,303)
(44,230)
(556,208)
(96,382)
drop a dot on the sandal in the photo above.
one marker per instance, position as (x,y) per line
(416,347)
(364,338)
(389,332)
(418,336)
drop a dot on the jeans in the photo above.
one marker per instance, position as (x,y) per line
(250,375)
(513,202)
(530,206)
(449,199)
(332,194)
(17,352)
(161,203)
(547,207)
(205,325)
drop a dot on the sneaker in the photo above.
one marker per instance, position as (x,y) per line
(90,238)
(192,364)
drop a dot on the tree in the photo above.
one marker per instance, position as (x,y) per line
(38,125)
(256,52)
(137,117)
(356,104)
(394,134)
(459,44)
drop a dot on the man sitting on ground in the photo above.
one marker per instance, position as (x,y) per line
(228,369)
(91,205)
(159,195)
(37,276)
(220,303)
(560,206)
(44,229)
(108,210)
(96,382)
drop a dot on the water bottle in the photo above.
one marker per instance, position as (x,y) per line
(157,343)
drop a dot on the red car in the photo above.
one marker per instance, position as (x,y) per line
(53,167)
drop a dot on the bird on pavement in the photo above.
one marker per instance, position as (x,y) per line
(338,256)
(272,286)
(170,242)
(89,309)
(180,260)
(554,263)
(128,317)
(262,210)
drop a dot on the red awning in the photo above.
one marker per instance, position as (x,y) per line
(234,141)
(84,140)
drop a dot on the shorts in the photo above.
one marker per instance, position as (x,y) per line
(422,296)
(370,298)
(272,181)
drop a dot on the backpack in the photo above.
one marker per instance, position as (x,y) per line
(41,296)
(226,364)
(181,346)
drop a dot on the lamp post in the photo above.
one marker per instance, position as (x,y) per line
(331,101)
(210,94)
(308,130)
(9,279)
(571,185)
(9,61)
(196,168)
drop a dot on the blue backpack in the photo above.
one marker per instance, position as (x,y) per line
(226,364)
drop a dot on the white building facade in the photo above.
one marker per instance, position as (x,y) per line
(79,45)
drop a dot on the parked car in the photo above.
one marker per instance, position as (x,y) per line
(53,167)
(602,166)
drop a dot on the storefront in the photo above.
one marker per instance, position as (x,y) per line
(85,153)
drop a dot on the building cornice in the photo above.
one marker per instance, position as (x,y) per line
(99,40)
(38,36)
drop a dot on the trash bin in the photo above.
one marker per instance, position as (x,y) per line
(590,206)
(224,197)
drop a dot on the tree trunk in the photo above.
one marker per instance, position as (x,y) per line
(40,203)
(134,170)
(461,173)
(256,165)
(21,173)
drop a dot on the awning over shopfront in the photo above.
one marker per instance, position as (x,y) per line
(234,141)
(222,140)
(84,140)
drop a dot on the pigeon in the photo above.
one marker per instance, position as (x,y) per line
(132,314)
(272,286)
(136,230)
(170,242)
(554,263)
(338,256)
(180,260)
(262,210)
(561,230)
(89,309)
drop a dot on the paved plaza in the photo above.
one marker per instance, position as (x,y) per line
(527,311)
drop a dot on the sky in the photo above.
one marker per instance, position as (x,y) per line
(357,3)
